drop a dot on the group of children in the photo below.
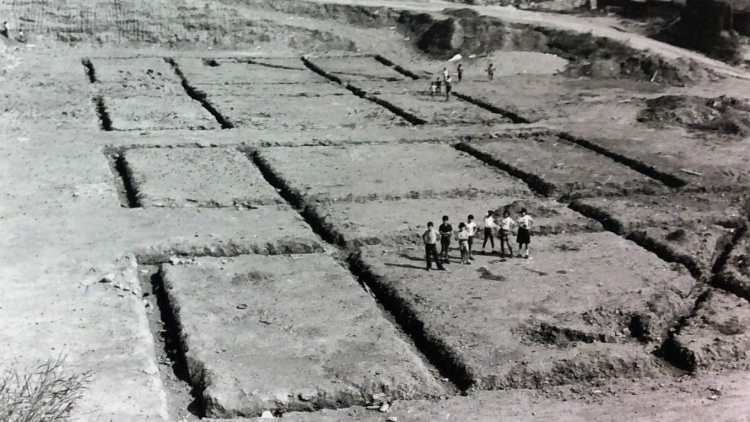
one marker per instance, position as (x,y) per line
(467,231)
(436,86)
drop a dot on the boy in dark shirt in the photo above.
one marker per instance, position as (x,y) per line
(446,231)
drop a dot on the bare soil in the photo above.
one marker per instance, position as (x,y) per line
(355,173)
(288,334)
(724,115)
(716,336)
(196,177)
(158,113)
(285,156)
(559,168)
(546,321)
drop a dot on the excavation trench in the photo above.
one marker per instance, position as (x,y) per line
(515,118)
(668,179)
(105,122)
(89,68)
(534,182)
(409,117)
(437,354)
(199,96)
(124,180)
(182,392)
(671,351)
(400,69)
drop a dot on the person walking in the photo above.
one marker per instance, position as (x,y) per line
(463,243)
(491,72)
(471,227)
(460,72)
(504,233)
(489,226)
(430,238)
(446,232)
(448,88)
(525,222)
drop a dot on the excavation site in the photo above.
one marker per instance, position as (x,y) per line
(374,210)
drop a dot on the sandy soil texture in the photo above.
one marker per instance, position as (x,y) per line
(560,168)
(529,334)
(273,164)
(202,177)
(288,333)
(162,113)
(359,173)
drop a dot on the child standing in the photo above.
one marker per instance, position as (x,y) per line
(460,72)
(446,232)
(489,226)
(524,232)
(471,227)
(463,243)
(429,238)
(433,89)
(439,85)
(491,72)
(448,88)
(504,234)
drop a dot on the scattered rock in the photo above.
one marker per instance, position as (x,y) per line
(384,407)
(307,395)
(108,278)
(267,415)
(378,397)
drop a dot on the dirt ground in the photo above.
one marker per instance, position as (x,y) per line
(216,209)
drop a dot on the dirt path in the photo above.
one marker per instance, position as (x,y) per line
(564,22)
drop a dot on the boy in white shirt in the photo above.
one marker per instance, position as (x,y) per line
(524,232)
(504,234)
(489,226)
(463,243)
(471,227)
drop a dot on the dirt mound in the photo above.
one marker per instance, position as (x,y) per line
(724,115)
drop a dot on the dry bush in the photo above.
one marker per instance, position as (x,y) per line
(43,394)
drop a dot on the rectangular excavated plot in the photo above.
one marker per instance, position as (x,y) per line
(197,71)
(716,337)
(149,113)
(197,177)
(633,212)
(303,113)
(405,221)
(263,91)
(357,68)
(288,333)
(560,317)
(147,71)
(435,109)
(368,172)
(150,89)
(689,228)
(561,168)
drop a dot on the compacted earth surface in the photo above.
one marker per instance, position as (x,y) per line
(214,210)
